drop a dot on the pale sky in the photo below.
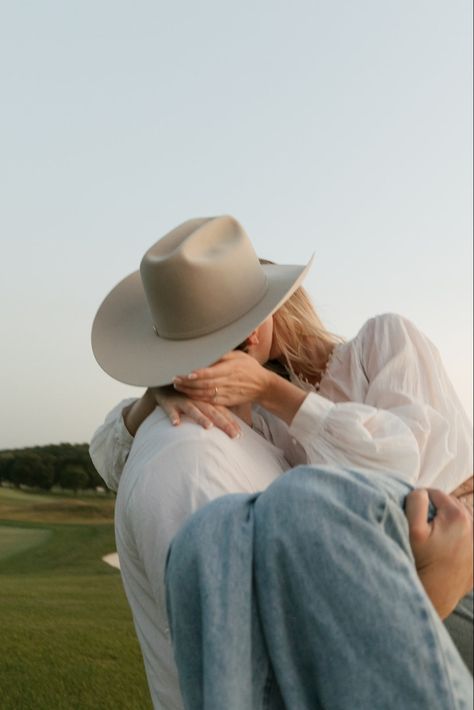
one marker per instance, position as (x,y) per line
(341,128)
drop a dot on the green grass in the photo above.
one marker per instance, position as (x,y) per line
(67,640)
(21,496)
(15,540)
(55,507)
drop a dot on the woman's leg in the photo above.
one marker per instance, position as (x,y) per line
(219,648)
(346,620)
(460,627)
(334,598)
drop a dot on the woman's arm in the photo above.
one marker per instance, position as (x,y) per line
(348,434)
(410,422)
(407,377)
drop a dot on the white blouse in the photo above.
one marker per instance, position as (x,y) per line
(385,403)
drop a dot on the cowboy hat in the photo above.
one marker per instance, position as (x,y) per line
(200,291)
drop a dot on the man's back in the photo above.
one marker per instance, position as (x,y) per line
(170,473)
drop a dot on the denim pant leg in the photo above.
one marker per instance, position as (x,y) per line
(460,627)
(218,645)
(345,618)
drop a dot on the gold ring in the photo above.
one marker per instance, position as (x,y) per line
(215,393)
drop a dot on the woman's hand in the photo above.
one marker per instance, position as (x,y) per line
(465,493)
(203,413)
(442,548)
(236,379)
(174,404)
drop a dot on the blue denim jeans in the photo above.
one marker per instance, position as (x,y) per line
(305,597)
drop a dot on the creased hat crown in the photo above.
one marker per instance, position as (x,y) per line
(200,277)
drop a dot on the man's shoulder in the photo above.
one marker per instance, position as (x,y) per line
(189,460)
(176,452)
(156,436)
(163,465)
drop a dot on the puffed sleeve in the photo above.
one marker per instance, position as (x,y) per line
(111,444)
(411,423)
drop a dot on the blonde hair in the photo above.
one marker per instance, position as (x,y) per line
(300,336)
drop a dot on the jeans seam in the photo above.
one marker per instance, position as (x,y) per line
(267,688)
(441,661)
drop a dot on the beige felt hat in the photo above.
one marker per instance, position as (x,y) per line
(199,293)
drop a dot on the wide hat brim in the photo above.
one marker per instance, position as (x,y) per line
(128,349)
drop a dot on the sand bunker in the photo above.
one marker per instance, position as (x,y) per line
(112,560)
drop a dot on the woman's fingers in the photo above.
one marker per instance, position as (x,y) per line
(207,394)
(468,503)
(207,373)
(207,390)
(416,509)
(172,411)
(222,418)
(465,494)
(235,379)
(174,404)
(207,415)
(450,509)
(221,369)
(200,384)
(196,414)
(466,488)
(166,399)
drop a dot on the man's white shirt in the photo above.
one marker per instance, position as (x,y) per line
(171,472)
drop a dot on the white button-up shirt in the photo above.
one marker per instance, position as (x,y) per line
(170,473)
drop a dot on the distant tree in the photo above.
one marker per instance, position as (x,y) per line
(6,463)
(32,469)
(64,455)
(57,457)
(44,476)
(73,478)
(21,470)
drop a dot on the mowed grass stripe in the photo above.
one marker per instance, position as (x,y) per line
(68,642)
(67,638)
(57,507)
(14,540)
(66,549)
(20,496)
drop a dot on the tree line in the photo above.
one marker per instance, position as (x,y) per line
(66,465)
